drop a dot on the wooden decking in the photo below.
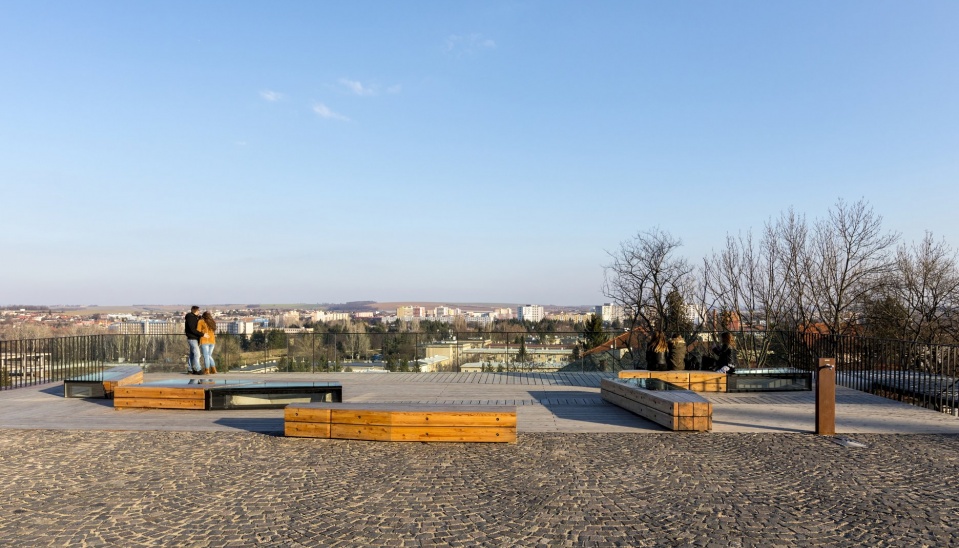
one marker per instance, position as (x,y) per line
(402,422)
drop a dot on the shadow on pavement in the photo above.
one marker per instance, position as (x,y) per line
(272,426)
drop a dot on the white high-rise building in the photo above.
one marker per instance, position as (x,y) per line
(236,327)
(530,312)
(609,312)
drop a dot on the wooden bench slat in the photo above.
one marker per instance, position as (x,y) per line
(298,413)
(306,429)
(452,434)
(158,403)
(455,418)
(137,391)
(697,381)
(365,432)
(659,417)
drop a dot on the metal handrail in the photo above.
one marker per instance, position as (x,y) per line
(917,373)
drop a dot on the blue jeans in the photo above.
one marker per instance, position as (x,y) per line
(194,363)
(208,362)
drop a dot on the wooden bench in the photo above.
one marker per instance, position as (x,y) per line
(160,397)
(102,384)
(676,409)
(224,394)
(697,381)
(402,422)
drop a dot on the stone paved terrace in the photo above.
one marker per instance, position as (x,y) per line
(583,473)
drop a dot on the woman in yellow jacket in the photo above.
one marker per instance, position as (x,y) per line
(207,326)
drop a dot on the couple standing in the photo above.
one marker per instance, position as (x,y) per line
(201,335)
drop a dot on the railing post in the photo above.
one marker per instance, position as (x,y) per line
(826,397)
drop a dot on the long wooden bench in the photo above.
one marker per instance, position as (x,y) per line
(102,384)
(697,381)
(160,397)
(224,394)
(402,422)
(675,408)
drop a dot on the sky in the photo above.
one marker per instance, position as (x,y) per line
(210,152)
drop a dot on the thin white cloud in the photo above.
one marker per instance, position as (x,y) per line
(468,44)
(396,88)
(324,111)
(357,88)
(271,96)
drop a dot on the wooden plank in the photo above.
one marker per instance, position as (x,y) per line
(693,424)
(453,434)
(663,401)
(702,376)
(712,386)
(660,418)
(697,381)
(360,432)
(139,391)
(162,403)
(683,409)
(361,416)
(703,409)
(296,412)
(664,395)
(675,377)
(492,419)
(306,429)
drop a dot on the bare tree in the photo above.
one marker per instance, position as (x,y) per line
(749,289)
(643,273)
(746,279)
(847,257)
(926,282)
(791,234)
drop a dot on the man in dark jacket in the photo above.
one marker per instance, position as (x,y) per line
(193,337)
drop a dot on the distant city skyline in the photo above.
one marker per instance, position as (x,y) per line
(185,152)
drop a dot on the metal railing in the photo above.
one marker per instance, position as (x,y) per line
(920,374)
(28,362)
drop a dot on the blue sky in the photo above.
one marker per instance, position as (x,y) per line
(223,152)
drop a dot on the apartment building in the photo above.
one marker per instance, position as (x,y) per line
(531,313)
(610,312)
(148,327)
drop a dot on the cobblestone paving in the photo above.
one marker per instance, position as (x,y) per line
(83,488)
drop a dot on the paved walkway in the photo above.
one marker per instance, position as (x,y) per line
(76,472)
(566,403)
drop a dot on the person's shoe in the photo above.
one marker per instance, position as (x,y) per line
(205,372)
(213,370)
